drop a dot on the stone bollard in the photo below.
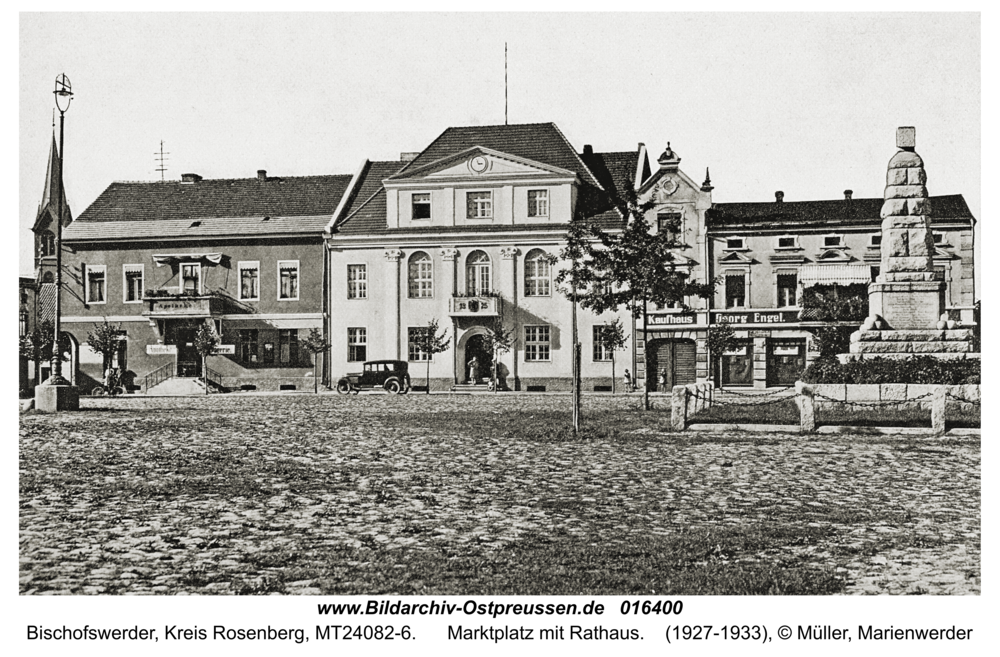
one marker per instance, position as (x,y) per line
(807,407)
(939,402)
(678,408)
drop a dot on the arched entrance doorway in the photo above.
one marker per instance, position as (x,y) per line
(477,360)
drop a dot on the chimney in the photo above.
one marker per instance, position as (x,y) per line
(779,197)
(261,175)
(848,194)
(190,177)
(588,149)
(408,157)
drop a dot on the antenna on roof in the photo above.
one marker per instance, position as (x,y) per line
(505,83)
(161,158)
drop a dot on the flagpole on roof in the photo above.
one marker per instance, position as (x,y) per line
(505,83)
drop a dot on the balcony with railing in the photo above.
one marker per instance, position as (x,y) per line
(483,305)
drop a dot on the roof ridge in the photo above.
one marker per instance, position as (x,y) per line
(579,159)
(205,180)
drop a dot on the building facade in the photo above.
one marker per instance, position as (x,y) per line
(163,258)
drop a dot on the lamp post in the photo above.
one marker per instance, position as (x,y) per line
(57,394)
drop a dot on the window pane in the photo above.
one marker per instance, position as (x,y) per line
(787,288)
(735,291)
(357,344)
(289,281)
(249,277)
(357,281)
(420,276)
(421,206)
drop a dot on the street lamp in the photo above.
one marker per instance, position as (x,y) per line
(57,394)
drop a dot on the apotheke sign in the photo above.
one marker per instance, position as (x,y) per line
(757,317)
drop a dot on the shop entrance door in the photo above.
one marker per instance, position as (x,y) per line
(737,366)
(672,361)
(181,332)
(785,361)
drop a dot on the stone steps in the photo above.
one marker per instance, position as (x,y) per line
(178,387)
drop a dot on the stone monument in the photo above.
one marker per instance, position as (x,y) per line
(907,314)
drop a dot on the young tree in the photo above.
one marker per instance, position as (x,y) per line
(105,340)
(37,346)
(498,341)
(631,267)
(430,342)
(613,338)
(205,342)
(315,344)
(721,338)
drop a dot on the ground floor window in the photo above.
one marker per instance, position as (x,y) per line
(248,346)
(536,343)
(601,352)
(288,345)
(357,344)
(414,335)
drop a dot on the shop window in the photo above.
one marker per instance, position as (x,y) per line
(357,281)
(288,346)
(248,346)
(357,344)
(267,353)
(421,276)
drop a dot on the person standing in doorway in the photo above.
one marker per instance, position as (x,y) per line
(473,366)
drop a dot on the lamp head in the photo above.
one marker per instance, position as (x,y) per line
(63,92)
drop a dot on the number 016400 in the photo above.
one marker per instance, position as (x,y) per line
(647,607)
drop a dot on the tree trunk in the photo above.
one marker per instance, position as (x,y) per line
(204,371)
(645,358)
(612,373)
(428,378)
(315,368)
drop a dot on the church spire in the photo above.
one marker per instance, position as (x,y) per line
(51,193)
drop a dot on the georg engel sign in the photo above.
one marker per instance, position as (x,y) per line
(757,317)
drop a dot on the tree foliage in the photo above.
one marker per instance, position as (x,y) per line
(498,341)
(613,337)
(721,338)
(315,344)
(37,345)
(205,342)
(104,339)
(431,339)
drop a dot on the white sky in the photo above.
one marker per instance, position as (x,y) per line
(807,104)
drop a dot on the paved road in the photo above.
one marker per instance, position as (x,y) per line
(193,494)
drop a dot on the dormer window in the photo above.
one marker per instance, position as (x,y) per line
(736,244)
(422,206)
(833,241)
(787,242)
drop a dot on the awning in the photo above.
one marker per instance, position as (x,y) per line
(810,275)
(171,258)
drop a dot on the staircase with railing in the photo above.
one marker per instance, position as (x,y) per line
(214,380)
(158,376)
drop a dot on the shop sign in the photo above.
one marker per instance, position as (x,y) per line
(161,349)
(757,317)
(760,334)
(670,320)
(224,350)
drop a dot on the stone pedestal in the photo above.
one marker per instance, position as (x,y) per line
(907,304)
(947,344)
(49,398)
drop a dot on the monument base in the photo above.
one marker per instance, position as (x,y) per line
(49,398)
(907,304)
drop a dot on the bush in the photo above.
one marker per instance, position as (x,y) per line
(921,369)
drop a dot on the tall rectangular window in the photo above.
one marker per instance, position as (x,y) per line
(96,283)
(191,278)
(537,274)
(538,202)
(288,346)
(421,206)
(669,223)
(479,205)
(357,344)
(420,275)
(288,280)
(357,281)
(413,336)
(133,283)
(249,281)
(536,343)
(788,285)
(736,291)
(248,346)
(601,352)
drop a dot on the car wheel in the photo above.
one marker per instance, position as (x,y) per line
(392,387)
(343,387)
(98,391)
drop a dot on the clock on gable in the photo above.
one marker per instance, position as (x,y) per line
(479,164)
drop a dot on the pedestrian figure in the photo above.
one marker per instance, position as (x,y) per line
(473,366)
(663,379)
(628,381)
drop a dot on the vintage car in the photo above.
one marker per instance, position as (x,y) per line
(392,375)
